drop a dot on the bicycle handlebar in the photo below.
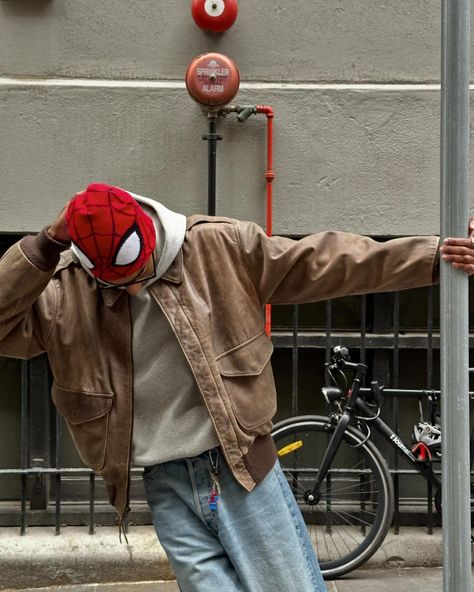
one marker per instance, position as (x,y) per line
(340,360)
(346,364)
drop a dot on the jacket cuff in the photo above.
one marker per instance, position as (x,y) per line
(43,250)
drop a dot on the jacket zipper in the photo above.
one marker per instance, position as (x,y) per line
(130,357)
(224,452)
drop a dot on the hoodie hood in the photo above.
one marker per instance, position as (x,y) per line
(170,230)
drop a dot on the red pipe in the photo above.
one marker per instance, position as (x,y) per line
(269,176)
(243,113)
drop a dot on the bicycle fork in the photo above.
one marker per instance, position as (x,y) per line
(312,496)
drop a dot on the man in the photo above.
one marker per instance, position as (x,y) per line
(153,328)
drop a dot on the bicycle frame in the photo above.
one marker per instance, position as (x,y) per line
(423,467)
(357,404)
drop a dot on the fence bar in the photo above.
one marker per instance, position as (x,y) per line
(429,385)
(92,503)
(328,330)
(24,442)
(454,297)
(429,329)
(295,364)
(58,465)
(395,406)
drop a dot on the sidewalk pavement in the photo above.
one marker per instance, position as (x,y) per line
(364,580)
(75,561)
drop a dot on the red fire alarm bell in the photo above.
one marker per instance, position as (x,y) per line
(212,79)
(214,15)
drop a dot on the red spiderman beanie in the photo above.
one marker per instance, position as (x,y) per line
(110,233)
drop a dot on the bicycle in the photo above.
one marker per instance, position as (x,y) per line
(339,477)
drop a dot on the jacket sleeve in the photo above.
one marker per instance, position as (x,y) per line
(27,298)
(333,264)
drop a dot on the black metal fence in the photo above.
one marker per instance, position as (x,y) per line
(398,338)
(43,482)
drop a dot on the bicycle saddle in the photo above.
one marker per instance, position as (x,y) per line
(331,393)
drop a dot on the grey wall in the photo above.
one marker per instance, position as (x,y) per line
(95,91)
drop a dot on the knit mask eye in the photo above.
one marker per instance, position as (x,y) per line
(129,248)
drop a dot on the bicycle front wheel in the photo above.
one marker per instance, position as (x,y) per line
(354,511)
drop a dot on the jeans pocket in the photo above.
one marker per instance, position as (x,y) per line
(150,471)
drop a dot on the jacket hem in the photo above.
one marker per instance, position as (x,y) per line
(261,457)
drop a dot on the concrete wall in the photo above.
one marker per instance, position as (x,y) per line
(94,91)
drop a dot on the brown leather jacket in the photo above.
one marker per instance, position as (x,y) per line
(212,295)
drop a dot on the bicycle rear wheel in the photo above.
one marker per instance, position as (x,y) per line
(354,512)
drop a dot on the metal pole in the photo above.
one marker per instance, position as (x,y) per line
(212,137)
(454,298)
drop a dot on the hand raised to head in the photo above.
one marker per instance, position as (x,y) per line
(58,229)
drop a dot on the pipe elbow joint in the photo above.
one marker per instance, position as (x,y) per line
(268,111)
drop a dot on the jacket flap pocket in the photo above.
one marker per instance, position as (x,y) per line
(79,406)
(248,358)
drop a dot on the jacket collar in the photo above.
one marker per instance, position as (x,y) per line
(174,274)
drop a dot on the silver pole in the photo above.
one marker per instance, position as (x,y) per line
(454,298)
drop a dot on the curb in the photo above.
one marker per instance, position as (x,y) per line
(40,558)
(413,547)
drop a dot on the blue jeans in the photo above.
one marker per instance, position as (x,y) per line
(252,542)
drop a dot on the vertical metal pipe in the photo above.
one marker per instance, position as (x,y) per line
(454,297)
(212,138)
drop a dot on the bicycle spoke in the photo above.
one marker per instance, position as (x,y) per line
(344,539)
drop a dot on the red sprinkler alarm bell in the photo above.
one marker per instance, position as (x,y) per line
(214,15)
(212,79)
